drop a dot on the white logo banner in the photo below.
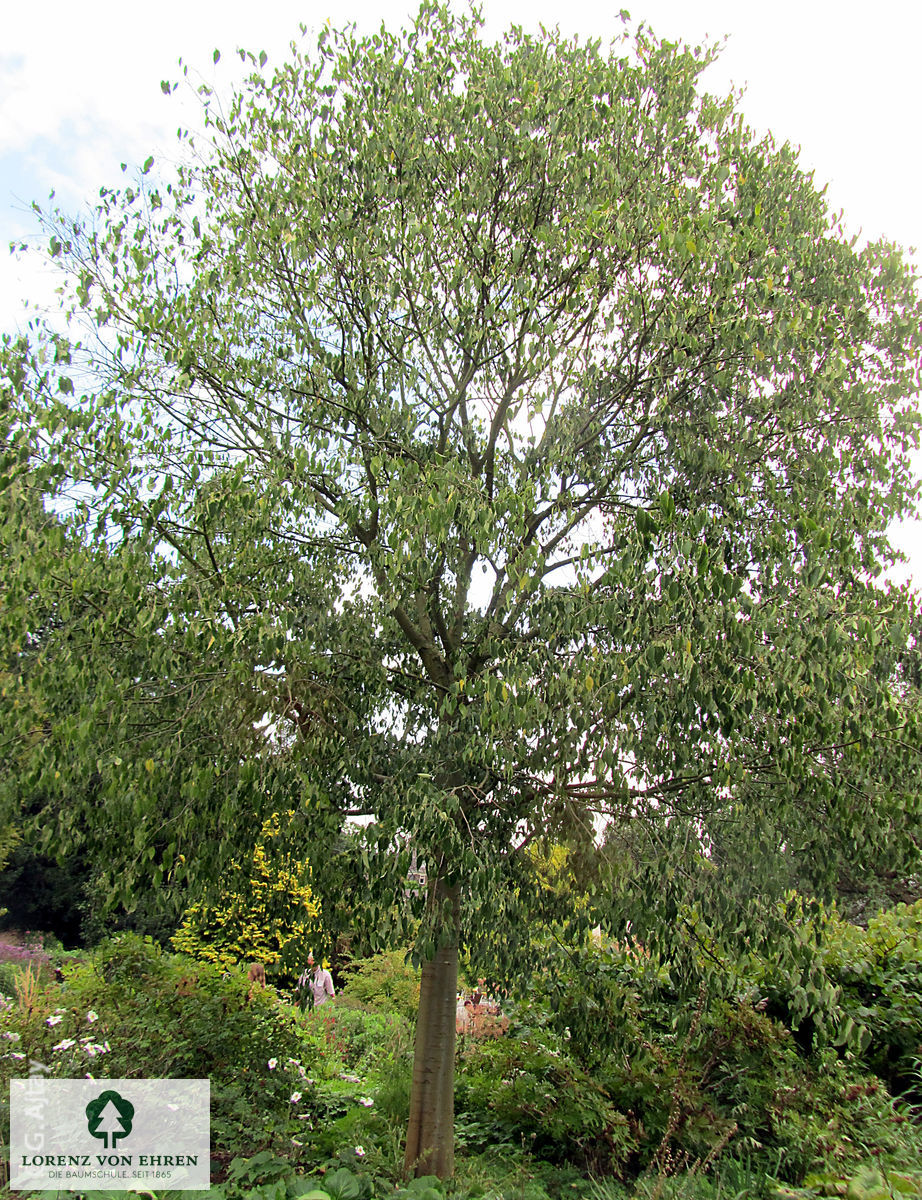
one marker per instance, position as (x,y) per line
(109,1134)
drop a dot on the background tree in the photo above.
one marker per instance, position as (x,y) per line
(524,434)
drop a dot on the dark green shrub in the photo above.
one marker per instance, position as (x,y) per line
(879,972)
(795,1115)
(532,1093)
(740,1068)
(594,999)
(856,989)
(628,1030)
(750,1069)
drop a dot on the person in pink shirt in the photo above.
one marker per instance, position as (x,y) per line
(319,981)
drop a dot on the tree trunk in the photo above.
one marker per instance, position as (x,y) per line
(431,1130)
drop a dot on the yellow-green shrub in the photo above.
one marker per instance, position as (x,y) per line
(266,913)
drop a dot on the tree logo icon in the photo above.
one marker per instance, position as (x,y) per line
(109,1116)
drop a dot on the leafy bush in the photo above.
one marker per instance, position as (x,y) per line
(10,838)
(267,1177)
(603,1001)
(617,1020)
(527,1091)
(794,1114)
(853,988)
(7,978)
(384,981)
(599,1071)
(337,1038)
(867,1183)
(879,972)
(133,1011)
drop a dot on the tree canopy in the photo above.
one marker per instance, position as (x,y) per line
(494,440)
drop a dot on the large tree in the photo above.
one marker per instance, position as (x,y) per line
(522,434)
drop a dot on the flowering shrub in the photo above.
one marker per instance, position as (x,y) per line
(21,952)
(129,1010)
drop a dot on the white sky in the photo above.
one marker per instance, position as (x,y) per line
(80,93)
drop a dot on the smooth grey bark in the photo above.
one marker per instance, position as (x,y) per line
(430,1148)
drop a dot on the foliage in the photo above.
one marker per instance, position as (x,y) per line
(521,1091)
(318,1102)
(851,988)
(266,911)
(870,1182)
(350,1039)
(482,438)
(136,1012)
(796,1115)
(9,839)
(41,892)
(261,1176)
(19,955)
(204,740)
(361,1071)
(564,873)
(384,981)
(594,996)
(878,971)
(685,1079)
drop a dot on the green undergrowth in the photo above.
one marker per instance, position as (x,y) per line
(724,1101)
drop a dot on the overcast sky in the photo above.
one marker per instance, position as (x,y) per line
(80,93)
